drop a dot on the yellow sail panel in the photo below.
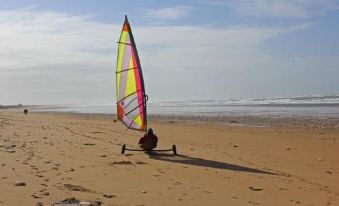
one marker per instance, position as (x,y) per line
(131,81)
(120,58)
(121,50)
(138,120)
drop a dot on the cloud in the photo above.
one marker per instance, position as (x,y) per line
(54,58)
(45,54)
(280,9)
(192,62)
(200,47)
(32,38)
(167,14)
(272,8)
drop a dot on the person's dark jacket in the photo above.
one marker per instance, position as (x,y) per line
(148,142)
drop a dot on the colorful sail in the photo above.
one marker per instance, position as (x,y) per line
(130,92)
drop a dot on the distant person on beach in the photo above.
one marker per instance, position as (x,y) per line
(149,141)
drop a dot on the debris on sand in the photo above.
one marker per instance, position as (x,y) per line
(140,163)
(109,196)
(71,200)
(91,203)
(35,196)
(95,203)
(79,188)
(20,183)
(124,162)
(10,146)
(255,189)
(89,144)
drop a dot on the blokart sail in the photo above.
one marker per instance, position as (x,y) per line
(130,90)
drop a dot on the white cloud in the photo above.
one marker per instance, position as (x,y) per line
(273,8)
(46,54)
(31,38)
(50,58)
(281,9)
(171,13)
(200,47)
(202,61)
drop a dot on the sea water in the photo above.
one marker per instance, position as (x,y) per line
(313,106)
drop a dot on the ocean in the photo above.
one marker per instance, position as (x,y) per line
(302,106)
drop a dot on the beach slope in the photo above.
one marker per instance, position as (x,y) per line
(60,156)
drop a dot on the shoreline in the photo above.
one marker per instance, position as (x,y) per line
(61,156)
(311,110)
(321,122)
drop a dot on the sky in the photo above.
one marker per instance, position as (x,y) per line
(64,51)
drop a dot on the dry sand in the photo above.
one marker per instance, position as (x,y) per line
(61,156)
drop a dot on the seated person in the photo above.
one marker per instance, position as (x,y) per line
(148,141)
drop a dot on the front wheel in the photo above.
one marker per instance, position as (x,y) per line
(123,148)
(174,148)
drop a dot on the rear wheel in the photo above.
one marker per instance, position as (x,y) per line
(123,148)
(174,148)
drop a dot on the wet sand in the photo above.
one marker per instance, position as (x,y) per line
(59,156)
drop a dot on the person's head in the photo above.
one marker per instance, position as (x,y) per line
(150,131)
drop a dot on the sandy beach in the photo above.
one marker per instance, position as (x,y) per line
(60,156)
